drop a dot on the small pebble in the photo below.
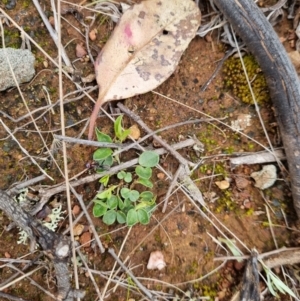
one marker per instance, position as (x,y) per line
(241,183)
(247,204)
(93,34)
(222,184)
(156,144)
(161,176)
(225,284)
(22,63)
(222,294)
(76,210)
(85,239)
(156,261)
(208,38)
(135,132)
(51,20)
(80,50)
(78,229)
(153,111)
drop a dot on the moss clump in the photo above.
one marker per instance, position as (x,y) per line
(26,3)
(12,38)
(235,79)
(217,169)
(226,203)
(209,291)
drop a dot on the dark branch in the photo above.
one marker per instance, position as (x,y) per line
(55,246)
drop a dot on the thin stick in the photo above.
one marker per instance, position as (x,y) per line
(17,187)
(61,187)
(254,98)
(218,120)
(53,34)
(115,264)
(258,158)
(26,105)
(188,184)
(44,52)
(79,198)
(217,70)
(87,29)
(65,158)
(172,185)
(138,120)
(194,121)
(29,263)
(90,274)
(92,143)
(24,275)
(10,297)
(24,150)
(49,107)
(34,283)
(137,282)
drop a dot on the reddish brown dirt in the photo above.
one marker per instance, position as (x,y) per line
(181,233)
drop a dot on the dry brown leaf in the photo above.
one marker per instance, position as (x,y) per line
(144,49)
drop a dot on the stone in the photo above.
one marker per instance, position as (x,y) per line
(22,63)
(156,261)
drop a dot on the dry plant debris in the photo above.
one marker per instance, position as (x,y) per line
(144,49)
(183,236)
(266,177)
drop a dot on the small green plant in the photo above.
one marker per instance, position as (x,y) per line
(104,156)
(123,203)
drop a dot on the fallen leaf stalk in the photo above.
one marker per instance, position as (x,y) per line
(144,49)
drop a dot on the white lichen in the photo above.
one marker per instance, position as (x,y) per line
(22,196)
(55,217)
(242,121)
(23,237)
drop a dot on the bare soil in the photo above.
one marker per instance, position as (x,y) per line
(181,233)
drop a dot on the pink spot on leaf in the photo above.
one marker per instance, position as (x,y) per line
(128,31)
